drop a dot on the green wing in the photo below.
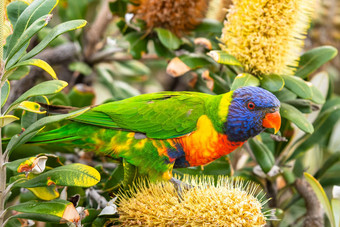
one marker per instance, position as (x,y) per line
(160,115)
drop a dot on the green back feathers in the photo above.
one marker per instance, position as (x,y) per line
(160,115)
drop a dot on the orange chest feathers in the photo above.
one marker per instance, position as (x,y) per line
(205,144)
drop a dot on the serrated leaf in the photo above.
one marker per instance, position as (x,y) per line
(7,119)
(77,174)
(298,86)
(25,37)
(18,73)
(52,211)
(223,57)
(313,59)
(53,34)
(5,92)
(272,82)
(31,131)
(321,195)
(168,39)
(35,10)
(44,88)
(291,113)
(31,107)
(39,63)
(245,79)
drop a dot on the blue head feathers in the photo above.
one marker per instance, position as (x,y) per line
(247,111)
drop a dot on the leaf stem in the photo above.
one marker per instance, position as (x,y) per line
(2,161)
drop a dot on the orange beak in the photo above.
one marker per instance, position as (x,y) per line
(272,120)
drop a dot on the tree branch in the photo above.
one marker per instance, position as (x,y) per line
(314,215)
(53,56)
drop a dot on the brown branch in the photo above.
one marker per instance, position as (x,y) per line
(97,30)
(314,215)
(53,56)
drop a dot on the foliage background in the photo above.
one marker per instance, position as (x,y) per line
(116,56)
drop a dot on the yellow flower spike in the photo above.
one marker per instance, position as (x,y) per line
(229,203)
(267,36)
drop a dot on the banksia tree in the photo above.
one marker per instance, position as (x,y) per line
(226,204)
(179,16)
(267,36)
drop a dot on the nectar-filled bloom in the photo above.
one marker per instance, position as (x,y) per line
(228,203)
(266,36)
(179,16)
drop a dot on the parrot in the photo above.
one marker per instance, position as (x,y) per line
(158,132)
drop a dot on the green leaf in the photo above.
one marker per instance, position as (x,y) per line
(320,193)
(223,57)
(31,107)
(53,34)
(14,10)
(45,193)
(7,119)
(285,95)
(331,161)
(317,96)
(35,10)
(81,95)
(168,39)
(161,50)
(272,82)
(302,105)
(291,113)
(77,174)
(298,86)
(323,126)
(219,167)
(115,179)
(18,73)
(138,44)
(313,59)
(245,79)
(31,131)
(209,26)
(336,211)
(51,211)
(5,92)
(81,67)
(263,155)
(26,36)
(118,7)
(195,61)
(44,88)
(39,63)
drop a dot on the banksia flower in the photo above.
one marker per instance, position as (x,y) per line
(218,9)
(229,203)
(267,36)
(179,16)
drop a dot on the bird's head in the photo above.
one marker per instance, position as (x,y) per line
(251,110)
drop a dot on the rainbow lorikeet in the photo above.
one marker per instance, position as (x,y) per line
(161,131)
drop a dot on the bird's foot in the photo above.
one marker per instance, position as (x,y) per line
(180,187)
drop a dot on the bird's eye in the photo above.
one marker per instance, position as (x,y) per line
(251,105)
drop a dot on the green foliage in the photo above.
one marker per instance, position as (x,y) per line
(124,64)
